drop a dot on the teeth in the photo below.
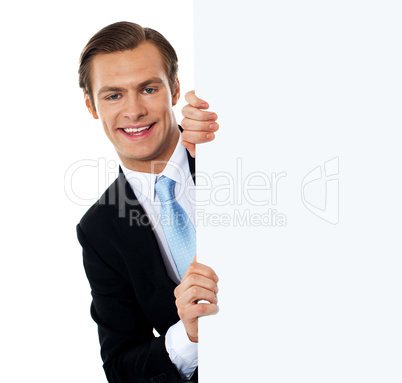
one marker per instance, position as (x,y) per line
(132,130)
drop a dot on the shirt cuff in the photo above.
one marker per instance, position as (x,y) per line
(182,352)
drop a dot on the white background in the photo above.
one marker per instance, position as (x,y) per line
(47,334)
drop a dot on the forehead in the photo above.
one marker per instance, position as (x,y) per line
(128,67)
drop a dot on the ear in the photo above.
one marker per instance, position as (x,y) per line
(89,107)
(176,93)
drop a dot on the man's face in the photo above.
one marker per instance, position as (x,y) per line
(133,99)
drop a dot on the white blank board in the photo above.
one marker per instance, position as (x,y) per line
(299,196)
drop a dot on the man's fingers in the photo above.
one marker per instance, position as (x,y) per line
(201,269)
(197,102)
(197,273)
(198,124)
(194,294)
(195,311)
(197,137)
(194,125)
(194,113)
(197,280)
(206,281)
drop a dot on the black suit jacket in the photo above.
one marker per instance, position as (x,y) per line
(131,291)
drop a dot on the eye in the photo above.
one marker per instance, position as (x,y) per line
(149,90)
(113,97)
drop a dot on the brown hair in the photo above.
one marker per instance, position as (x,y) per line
(120,37)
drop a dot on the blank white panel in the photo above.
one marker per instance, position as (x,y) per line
(300,197)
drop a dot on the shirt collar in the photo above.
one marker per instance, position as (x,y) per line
(176,169)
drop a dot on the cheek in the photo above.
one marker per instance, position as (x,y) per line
(161,104)
(109,116)
(164,108)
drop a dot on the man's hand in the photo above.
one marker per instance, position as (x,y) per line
(198,124)
(198,283)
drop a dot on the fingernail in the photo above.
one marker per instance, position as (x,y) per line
(216,290)
(213,126)
(216,300)
(204,105)
(215,278)
(212,116)
(210,136)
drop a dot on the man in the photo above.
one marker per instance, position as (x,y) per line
(138,283)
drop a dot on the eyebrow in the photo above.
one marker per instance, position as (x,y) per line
(106,89)
(152,80)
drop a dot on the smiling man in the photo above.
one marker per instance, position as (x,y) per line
(140,266)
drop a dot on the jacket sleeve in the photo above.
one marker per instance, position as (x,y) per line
(130,351)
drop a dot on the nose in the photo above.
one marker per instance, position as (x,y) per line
(134,107)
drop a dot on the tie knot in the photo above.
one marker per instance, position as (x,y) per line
(164,188)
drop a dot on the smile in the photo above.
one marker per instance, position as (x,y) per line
(137,131)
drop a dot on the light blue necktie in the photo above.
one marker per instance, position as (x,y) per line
(179,230)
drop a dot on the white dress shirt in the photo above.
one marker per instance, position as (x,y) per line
(182,352)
